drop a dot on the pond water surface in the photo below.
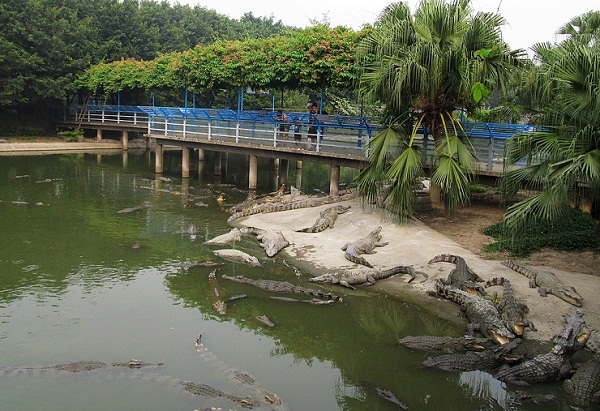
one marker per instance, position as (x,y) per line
(73,288)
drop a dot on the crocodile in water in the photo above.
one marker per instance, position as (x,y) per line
(446,344)
(554,365)
(282,287)
(547,283)
(461,276)
(367,276)
(76,367)
(482,313)
(511,310)
(238,256)
(218,304)
(326,219)
(584,385)
(365,245)
(470,361)
(232,236)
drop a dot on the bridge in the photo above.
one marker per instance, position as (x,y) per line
(340,141)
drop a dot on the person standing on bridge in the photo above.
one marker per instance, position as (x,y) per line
(312,123)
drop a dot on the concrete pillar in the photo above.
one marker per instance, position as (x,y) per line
(334,182)
(98,134)
(298,174)
(253,173)
(200,172)
(224,160)
(125,140)
(218,163)
(201,154)
(148,143)
(185,162)
(158,165)
(274,163)
(283,171)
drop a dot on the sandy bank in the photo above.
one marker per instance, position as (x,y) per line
(415,244)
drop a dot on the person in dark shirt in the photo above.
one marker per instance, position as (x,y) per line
(312,123)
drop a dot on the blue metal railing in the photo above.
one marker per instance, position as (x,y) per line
(341,134)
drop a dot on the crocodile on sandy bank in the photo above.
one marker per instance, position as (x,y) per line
(366,276)
(364,245)
(461,276)
(482,313)
(443,343)
(511,310)
(326,219)
(271,241)
(554,365)
(547,283)
(282,287)
(294,204)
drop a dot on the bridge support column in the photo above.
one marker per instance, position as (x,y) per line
(283,171)
(298,174)
(98,134)
(125,140)
(253,173)
(158,165)
(334,182)
(274,163)
(185,162)
(201,154)
(218,163)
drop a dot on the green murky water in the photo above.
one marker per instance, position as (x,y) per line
(72,288)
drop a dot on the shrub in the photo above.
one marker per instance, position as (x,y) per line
(574,232)
(71,135)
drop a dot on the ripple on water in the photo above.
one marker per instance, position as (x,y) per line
(30,268)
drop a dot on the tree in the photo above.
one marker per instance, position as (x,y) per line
(422,68)
(563,163)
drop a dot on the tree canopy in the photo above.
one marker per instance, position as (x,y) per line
(45,44)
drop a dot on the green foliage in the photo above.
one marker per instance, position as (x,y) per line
(575,231)
(71,135)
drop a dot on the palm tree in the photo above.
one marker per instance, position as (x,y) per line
(422,68)
(562,164)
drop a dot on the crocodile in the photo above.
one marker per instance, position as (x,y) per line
(511,310)
(238,377)
(554,365)
(303,202)
(364,245)
(219,304)
(584,385)
(593,343)
(131,209)
(482,313)
(238,256)
(518,398)
(206,390)
(265,320)
(232,236)
(470,361)
(252,201)
(366,276)
(461,276)
(271,241)
(76,367)
(281,287)
(326,219)
(446,344)
(547,283)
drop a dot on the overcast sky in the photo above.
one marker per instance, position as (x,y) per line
(529,21)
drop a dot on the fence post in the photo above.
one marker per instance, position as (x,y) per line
(237,132)
(209,130)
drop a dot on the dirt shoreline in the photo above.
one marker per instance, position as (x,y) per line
(415,244)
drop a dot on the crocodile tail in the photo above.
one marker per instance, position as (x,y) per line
(495,281)
(444,258)
(357,259)
(519,268)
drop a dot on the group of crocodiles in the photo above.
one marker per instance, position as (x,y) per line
(503,324)
(253,395)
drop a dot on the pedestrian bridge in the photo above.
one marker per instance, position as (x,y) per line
(341,140)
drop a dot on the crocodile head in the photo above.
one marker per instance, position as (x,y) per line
(570,295)
(502,335)
(221,307)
